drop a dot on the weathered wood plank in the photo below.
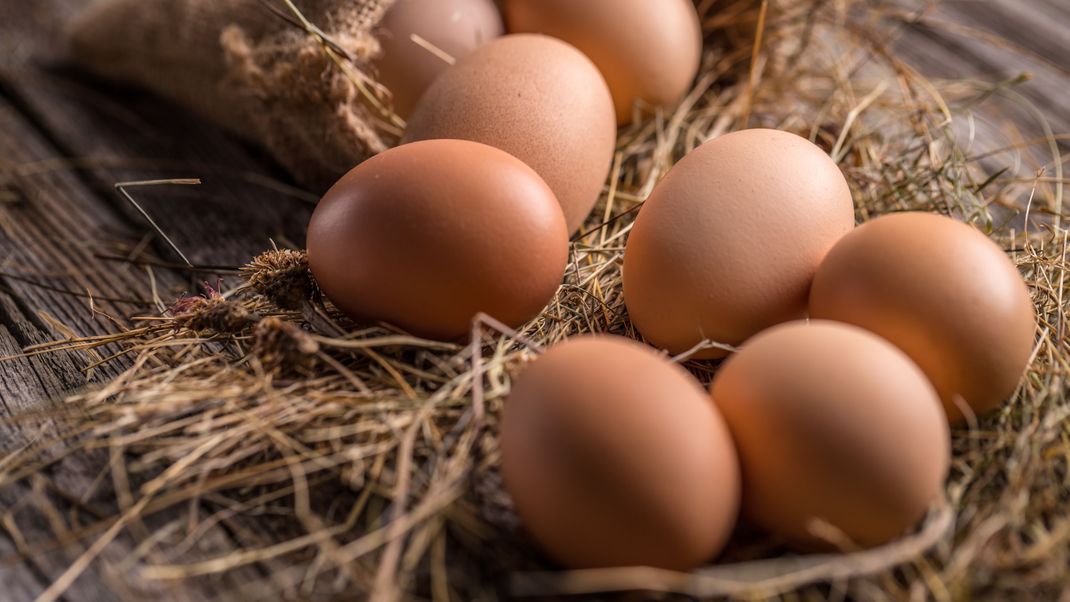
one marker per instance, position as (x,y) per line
(950,42)
(48,230)
(48,233)
(21,385)
(56,214)
(238,211)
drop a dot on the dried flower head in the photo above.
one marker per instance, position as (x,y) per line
(211,312)
(282,277)
(283,347)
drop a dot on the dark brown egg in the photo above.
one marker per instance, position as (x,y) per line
(426,235)
(615,456)
(841,437)
(536,98)
(942,292)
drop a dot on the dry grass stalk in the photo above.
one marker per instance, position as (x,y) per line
(376,452)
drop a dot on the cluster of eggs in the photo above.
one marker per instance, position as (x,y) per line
(826,432)
(505,153)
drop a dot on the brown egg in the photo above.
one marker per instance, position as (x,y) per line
(942,292)
(537,98)
(421,38)
(648,50)
(614,456)
(729,240)
(833,425)
(425,235)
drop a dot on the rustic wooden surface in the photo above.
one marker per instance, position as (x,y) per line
(65,139)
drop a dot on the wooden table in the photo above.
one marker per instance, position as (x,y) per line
(74,254)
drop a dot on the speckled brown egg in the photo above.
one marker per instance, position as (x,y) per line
(537,98)
(942,292)
(729,240)
(426,235)
(648,50)
(421,38)
(615,456)
(841,437)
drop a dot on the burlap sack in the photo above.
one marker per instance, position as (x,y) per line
(249,65)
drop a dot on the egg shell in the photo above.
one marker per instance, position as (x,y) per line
(615,456)
(537,98)
(425,235)
(941,291)
(728,242)
(833,423)
(648,50)
(453,27)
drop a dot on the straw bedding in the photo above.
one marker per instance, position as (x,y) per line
(369,456)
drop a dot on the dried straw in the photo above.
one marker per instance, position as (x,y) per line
(368,457)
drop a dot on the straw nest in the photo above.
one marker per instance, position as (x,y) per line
(366,458)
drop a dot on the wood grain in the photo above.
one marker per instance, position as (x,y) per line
(55,224)
(48,234)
